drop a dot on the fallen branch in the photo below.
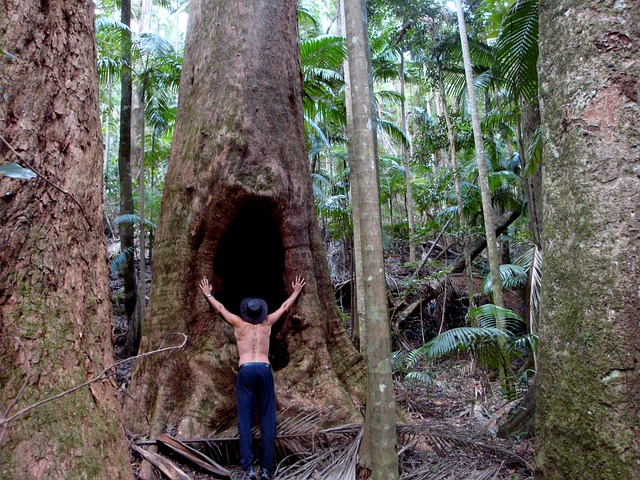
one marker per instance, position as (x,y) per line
(103,375)
(193,455)
(426,257)
(30,167)
(167,467)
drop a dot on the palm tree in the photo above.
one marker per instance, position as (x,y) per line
(483,177)
(380,429)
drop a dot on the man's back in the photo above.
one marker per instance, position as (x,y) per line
(252,341)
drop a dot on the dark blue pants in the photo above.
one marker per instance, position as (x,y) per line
(254,389)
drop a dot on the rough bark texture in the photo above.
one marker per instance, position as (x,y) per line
(238,209)
(379,440)
(54,298)
(589,388)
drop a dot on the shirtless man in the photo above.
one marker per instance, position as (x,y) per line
(254,385)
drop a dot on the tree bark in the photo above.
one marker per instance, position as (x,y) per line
(358,313)
(55,309)
(589,382)
(483,176)
(380,429)
(525,130)
(238,209)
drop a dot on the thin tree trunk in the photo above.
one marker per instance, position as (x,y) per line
(406,155)
(126,189)
(141,264)
(358,312)
(483,176)
(380,408)
(55,309)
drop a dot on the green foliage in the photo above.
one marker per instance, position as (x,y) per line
(517,50)
(133,219)
(511,277)
(484,342)
(120,259)
(492,316)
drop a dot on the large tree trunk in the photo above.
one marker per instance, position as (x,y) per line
(238,209)
(380,430)
(589,382)
(54,300)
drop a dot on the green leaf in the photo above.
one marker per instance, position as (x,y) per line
(134,219)
(13,170)
(492,316)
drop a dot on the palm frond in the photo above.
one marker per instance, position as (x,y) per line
(517,49)
(118,260)
(133,219)
(394,131)
(391,95)
(152,44)
(326,52)
(306,16)
(531,261)
(534,150)
(511,277)
(492,316)
(456,340)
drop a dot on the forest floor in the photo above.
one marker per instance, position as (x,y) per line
(450,421)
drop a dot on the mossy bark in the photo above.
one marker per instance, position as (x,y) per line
(55,311)
(589,385)
(238,209)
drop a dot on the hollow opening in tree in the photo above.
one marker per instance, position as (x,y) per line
(249,262)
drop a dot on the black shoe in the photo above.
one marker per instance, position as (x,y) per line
(250,474)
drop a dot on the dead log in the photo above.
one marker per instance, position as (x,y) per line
(456,267)
(167,467)
(477,247)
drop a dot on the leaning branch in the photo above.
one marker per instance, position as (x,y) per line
(103,375)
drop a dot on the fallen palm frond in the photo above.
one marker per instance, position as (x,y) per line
(337,462)
(450,470)
(424,439)
(193,456)
(307,452)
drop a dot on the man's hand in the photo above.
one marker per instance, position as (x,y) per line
(205,286)
(298,283)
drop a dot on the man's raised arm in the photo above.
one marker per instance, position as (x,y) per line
(297,285)
(229,317)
